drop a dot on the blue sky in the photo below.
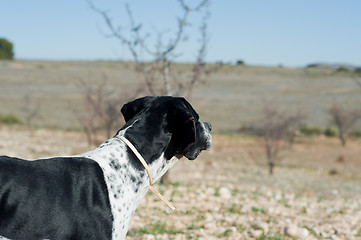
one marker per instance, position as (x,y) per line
(263,32)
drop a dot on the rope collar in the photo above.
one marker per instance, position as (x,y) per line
(141,159)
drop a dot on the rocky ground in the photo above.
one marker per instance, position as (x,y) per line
(228,194)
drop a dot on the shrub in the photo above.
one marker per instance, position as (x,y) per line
(330,132)
(240,63)
(333,172)
(343,70)
(310,131)
(356,133)
(312,65)
(10,119)
(6,49)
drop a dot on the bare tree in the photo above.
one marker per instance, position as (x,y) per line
(357,79)
(31,109)
(158,74)
(344,119)
(278,127)
(101,113)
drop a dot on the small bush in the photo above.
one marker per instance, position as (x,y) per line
(330,132)
(356,133)
(333,172)
(313,65)
(10,119)
(357,70)
(343,70)
(340,158)
(311,131)
(6,49)
(240,63)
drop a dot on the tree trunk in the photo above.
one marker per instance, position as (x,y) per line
(343,140)
(167,88)
(271,166)
(165,178)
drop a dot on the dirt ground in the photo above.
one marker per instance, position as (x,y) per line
(227,192)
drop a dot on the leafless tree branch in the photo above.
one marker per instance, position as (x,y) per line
(101,110)
(344,119)
(31,109)
(278,127)
(163,54)
(357,80)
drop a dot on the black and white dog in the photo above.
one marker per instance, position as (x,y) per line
(95,194)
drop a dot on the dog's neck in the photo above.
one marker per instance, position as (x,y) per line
(127,183)
(152,150)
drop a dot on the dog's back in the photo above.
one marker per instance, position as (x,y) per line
(40,199)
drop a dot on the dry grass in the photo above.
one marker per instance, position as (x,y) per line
(232,97)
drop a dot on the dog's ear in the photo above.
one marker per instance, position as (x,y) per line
(131,109)
(182,123)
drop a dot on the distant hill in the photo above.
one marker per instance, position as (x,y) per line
(335,66)
(231,98)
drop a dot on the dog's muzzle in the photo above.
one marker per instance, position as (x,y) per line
(203,141)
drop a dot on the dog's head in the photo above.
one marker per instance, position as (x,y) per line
(174,118)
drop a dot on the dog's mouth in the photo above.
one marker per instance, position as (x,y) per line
(192,156)
(193,153)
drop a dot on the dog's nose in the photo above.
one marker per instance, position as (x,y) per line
(209,126)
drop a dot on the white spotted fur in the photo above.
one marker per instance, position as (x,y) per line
(124,207)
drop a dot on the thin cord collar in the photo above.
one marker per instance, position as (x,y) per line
(141,159)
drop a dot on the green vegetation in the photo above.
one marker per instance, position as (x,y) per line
(9,119)
(330,132)
(157,227)
(311,130)
(358,234)
(313,233)
(260,210)
(193,226)
(317,131)
(6,49)
(271,236)
(256,226)
(234,209)
(356,133)
(225,233)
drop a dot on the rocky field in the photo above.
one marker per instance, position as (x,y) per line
(227,192)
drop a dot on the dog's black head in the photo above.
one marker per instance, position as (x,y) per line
(169,123)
